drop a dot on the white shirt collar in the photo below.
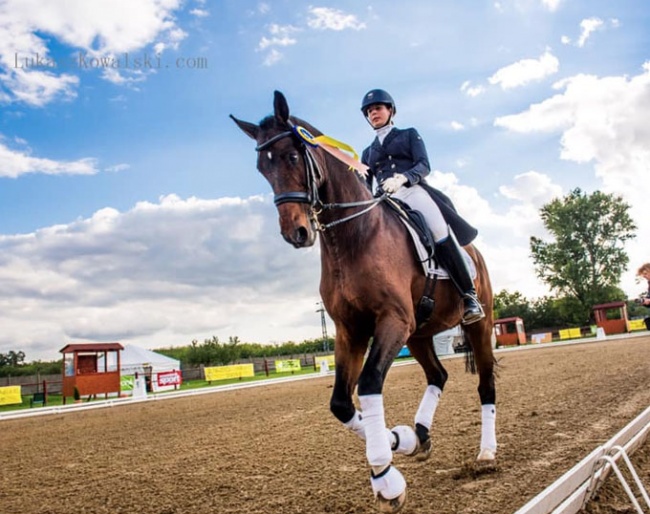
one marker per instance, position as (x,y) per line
(383,132)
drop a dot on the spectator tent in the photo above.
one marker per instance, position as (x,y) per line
(162,373)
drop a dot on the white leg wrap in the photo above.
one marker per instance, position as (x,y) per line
(488,427)
(356,425)
(390,484)
(378,449)
(404,440)
(428,405)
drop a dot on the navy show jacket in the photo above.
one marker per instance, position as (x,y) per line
(402,151)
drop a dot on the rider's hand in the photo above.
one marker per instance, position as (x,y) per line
(363,171)
(392,184)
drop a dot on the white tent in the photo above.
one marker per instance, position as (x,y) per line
(157,367)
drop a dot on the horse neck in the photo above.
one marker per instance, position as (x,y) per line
(342,185)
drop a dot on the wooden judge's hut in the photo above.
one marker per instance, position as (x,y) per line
(91,368)
(510,331)
(611,317)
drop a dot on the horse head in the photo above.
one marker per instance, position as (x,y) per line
(291,170)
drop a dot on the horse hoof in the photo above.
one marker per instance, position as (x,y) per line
(394,505)
(424,451)
(486,457)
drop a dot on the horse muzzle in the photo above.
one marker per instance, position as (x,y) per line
(296,227)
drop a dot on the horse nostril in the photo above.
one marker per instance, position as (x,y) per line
(301,235)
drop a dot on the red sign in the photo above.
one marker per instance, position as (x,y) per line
(170,378)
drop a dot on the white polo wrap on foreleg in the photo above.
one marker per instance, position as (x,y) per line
(428,406)
(390,483)
(378,443)
(356,425)
(488,427)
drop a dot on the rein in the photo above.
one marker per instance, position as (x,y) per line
(312,175)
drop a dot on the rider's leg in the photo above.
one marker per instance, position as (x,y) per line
(447,250)
(450,257)
(417,198)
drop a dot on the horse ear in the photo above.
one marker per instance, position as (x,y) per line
(249,128)
(281,107)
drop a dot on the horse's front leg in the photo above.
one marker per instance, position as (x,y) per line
(349,349)
(387,482)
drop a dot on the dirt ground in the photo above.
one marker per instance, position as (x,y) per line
(277,449)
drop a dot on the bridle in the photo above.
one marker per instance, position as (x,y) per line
(313,177)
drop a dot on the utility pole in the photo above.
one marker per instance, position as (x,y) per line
(323,326)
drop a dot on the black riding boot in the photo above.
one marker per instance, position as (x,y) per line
(450,258)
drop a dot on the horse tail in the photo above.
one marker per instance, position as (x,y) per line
(466,348)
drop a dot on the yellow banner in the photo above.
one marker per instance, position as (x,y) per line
(288,365)
(10,395)
(635,324)
(328,358)
(225,372)
(570,333)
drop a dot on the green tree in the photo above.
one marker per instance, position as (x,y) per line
(12,358)
(507,305)
(584,263)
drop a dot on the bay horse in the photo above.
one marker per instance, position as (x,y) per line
(371,282)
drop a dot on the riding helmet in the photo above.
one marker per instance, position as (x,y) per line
(377,96)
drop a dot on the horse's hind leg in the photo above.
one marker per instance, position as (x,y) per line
(422,350)
(479,335)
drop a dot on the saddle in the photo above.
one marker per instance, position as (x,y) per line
(419,231)
(424,247)
(414,220)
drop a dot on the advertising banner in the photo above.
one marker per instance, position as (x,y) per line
(170,378)
(225,372)
(10,395)
(287,365)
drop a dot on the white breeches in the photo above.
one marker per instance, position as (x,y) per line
(417,198)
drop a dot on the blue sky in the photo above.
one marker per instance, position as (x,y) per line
(130,208)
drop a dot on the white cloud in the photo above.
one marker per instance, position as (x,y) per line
(470,90)
(588,26)
(602,121)
(14,163)
(272,57)
(532,187)
(200,13)
(551,5)
(565,40)
(118,167)
(159,274)
(526,71)
(280,35)
(324,18)
(100,28)
(457,126)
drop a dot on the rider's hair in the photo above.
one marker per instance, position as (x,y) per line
(644,267)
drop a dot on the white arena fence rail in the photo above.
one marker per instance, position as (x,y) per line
(569,493)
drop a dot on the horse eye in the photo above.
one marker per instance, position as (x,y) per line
(293,157)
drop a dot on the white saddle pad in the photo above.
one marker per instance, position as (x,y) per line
(422,254)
